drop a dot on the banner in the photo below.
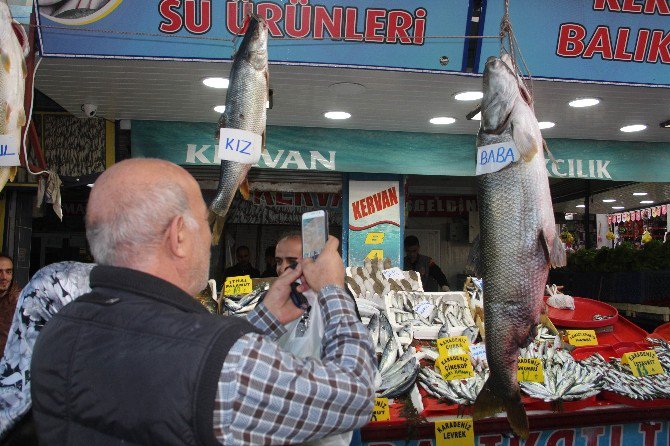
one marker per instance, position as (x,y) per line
(605,41)
(384,34)
(374,221)
(369,151)
(283,208)
(441,205)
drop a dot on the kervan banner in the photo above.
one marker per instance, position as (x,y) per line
(622,41)
(386,34)
(343,150)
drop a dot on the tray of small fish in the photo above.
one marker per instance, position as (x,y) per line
(243,304)
(370,280)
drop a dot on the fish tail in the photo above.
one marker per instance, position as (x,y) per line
(216,222)
(488,404)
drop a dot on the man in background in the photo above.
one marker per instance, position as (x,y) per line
(270,265)
(243,267)
(432,277)
(288,250)
(9,294)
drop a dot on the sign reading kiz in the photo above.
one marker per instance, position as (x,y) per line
(240,146)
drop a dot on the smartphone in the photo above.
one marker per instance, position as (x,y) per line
(314,233)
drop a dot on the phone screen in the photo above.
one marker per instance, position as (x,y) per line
(314,233)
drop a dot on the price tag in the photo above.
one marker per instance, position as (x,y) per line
(393,273)
(530,370)
(643,363)
(234,286)
(458,432)
(493,157)
(9,151)
(381,411)
(581,338)
(478,352)
(424,308)
(240,146)
(453,345)
(455,367)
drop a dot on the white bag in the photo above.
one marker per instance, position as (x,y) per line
(305,342)
(559,300)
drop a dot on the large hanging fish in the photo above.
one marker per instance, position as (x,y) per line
(245,109)
(518,239)
(13,50)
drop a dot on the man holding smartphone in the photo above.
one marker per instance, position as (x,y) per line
(172,373)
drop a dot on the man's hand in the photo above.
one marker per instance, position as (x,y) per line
(328,268)
(278,300)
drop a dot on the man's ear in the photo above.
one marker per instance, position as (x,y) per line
(177,236)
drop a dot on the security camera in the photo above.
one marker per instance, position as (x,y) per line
(89,110)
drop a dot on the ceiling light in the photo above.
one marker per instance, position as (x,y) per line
(581,206)
(469,96)
(337,115)
(609,200)
(216,82)
(665,124)
(633,128)
(545,125)
(584,102)
(639,194)
(442,120)
(617,207)
(220,108)
(646,201)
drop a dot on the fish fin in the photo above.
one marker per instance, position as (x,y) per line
(525,141)
(12,173)
(518,420)
(244,189)
(474,258)
(216,222)
(6,61)
(487,403)
(544,319)
(21,121)
(555,255)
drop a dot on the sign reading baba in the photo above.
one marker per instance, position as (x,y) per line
(234,286)
(493,157)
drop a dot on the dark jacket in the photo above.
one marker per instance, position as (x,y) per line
(136,361)
(432,277)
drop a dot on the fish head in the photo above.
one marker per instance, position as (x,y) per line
(501,87)
(254,47)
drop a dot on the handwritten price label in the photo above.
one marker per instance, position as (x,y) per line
(381,411)
(643,363)
(530,370)
(455,367)
(240,146)
(580,338)
(9,151)
(453,345)
(234,286)
(458,432)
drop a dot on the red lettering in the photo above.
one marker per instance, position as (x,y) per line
(272,13)
(490,440)
(591,434)
(631,6)
(621,44)
(532,440)
(324,22)
(205,16)
(641,45)
(649,430)
(393,195)
(371,205)
(233,17)
(256,198)
(650,7)
(385,200)
(372,24)
(336,200)
(364,212)
(350,25)
(600,43)
(398,24)
(567,435)
(378,201)
(419,26)
(612,5)
(322,199)
(306,199)
(570,40)
(174,20)
(294,27)
(356,206)
(269,198)
(616,435)
(660,46)
(282,200)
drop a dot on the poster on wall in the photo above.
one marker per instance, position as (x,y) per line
(374,221)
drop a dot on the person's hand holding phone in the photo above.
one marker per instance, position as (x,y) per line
(278,298)
(327,269)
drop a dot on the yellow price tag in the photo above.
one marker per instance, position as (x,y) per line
(234,286)
(453,345)
(457,432)
(381,411)
(374,238)
(643,363)
(455,367)
(375,254)
(580,338)
(530,370)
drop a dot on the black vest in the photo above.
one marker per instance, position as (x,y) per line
(136,361)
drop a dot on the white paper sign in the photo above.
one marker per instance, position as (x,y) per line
(393,273)
(478,351)
(240,146)
(9,151)
(493,157)
(424,308)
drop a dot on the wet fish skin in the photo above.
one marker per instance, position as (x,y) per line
(518,240)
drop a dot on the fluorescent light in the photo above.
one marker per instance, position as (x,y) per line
(639,194)
(469,96)
(584,102)
(581,206)
(633,128)
(442,120)
(220,108)
(545,125)
(216,82)
(617,207)
(609,200)
(646,201)
(337,115)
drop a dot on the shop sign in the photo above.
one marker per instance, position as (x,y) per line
(374,221)
(621,41)
(381,34)
(648,433)
(441,205)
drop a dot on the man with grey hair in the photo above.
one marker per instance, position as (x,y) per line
(139,361)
